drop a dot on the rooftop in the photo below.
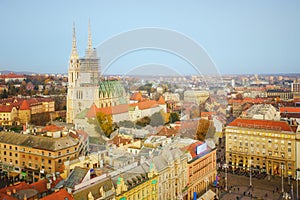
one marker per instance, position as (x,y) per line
(261,124)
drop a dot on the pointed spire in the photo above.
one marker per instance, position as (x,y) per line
(89,50)
(90,46)
(74,46)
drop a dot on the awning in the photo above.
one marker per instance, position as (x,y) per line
(209,195)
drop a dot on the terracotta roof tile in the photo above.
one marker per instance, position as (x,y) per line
(161,100)
(60,195)
(261,124)
(52,128)
(137,96)
(290,109)
(92,111)
(6,108)
(192,148)
(146,104)
(114,109)
(24,105)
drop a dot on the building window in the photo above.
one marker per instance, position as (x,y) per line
(16,162)
(10,153)
(16,148)
(59,153)
(49,161)
(16,154)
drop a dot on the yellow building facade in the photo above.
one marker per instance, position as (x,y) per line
(264,145)
(35,156)
(136,186)
(202,168)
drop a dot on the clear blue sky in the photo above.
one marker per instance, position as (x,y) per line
(240,36)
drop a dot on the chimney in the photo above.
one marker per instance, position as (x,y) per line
(8,192)
(25,197)
(14,191)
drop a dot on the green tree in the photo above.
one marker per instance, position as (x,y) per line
(174,117)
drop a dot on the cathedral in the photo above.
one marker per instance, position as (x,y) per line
(85,84)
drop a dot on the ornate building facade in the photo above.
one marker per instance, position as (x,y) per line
(262,145)
(85,84)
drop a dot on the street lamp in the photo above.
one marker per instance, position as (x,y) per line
(225,166)
(206,183)
(297,179)
(250,184)
(282,188)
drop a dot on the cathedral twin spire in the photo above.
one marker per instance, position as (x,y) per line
(89,49)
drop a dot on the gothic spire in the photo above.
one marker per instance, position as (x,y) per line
(89,46)
(74,46)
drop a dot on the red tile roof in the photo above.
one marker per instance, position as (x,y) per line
(261,124)
(6,108)
(114,109)
(60,195)
(192,148)
(12,75)
(7,197)
(24,105)
(168,132)
(289,109)
(41,186)
(146,104)
(117,140)
(52,128)
(137,96)
(19,186)
(161,100)
(92,111)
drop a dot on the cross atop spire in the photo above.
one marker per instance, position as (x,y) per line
(74,46)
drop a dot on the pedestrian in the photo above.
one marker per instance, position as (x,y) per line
(244,193)
(238,189)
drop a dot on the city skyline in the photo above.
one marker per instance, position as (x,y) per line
(259,37)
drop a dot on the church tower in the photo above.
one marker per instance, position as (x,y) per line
(73,75)
(85,86)
(83,78)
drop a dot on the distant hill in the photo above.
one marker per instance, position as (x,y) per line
(15,72)
(21,72)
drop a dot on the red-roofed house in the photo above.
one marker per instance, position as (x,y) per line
(131,112)
(136,97)
(12,77)
(24,112)
(8,115)
(290,112)
(24,191)
(263,144)
(202,167)
(59,195)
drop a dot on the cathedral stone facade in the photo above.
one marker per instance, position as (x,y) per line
(86,85)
